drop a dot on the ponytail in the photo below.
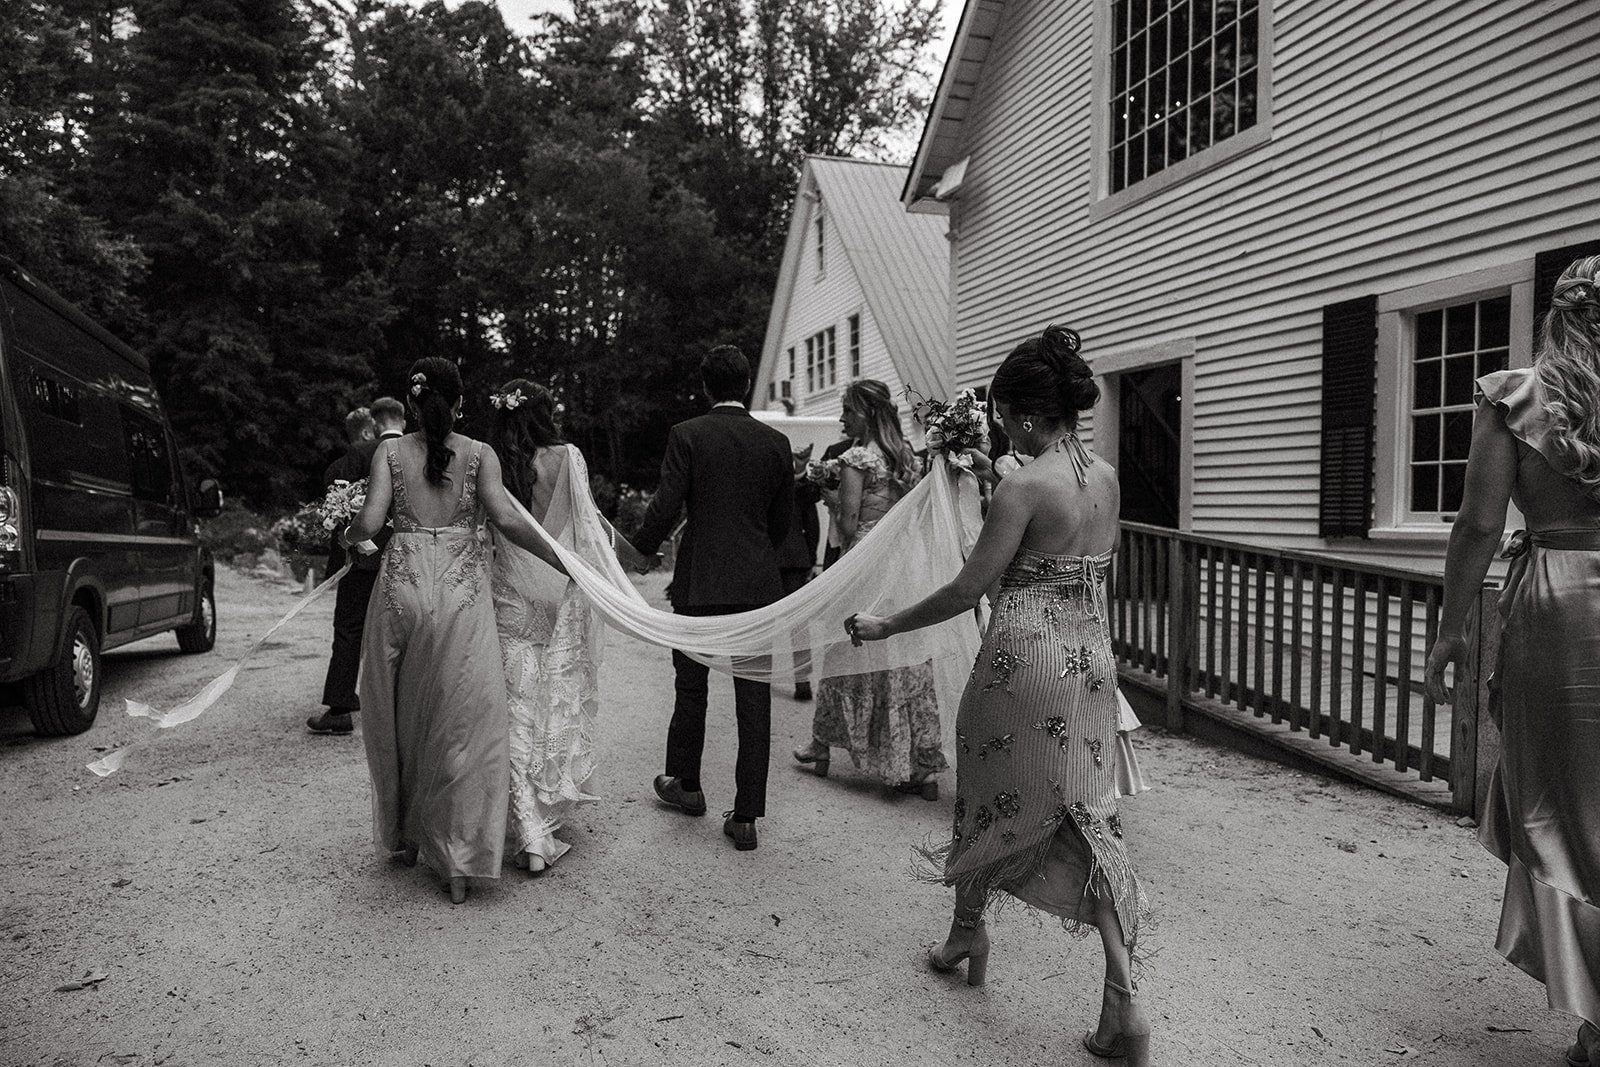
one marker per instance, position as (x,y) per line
(435,390)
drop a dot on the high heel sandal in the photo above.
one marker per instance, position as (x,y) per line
(1133,1047)
(816,755)
(927,787)
(458,890)
(976,955)
(527,861)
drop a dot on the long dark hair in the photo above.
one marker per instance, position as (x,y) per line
(524,422)
(1046,377)
(872,400)
(435,388)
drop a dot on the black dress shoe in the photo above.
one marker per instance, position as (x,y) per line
(674,795)
(743,833)
(331,722)
(802,690)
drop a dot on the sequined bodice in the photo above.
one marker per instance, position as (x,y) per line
(1045,568)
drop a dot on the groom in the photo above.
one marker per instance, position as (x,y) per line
(735,477)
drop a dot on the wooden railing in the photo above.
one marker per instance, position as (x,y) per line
(1316,645)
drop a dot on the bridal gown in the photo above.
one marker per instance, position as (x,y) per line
(550,646)
(1036,813)
(1542,817)
(433,698)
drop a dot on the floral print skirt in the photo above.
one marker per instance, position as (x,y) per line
(887,720)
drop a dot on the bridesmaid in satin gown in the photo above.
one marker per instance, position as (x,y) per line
(1536,440)
(1036,812)
(433,696)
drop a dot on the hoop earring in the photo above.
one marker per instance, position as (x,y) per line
(1027,425)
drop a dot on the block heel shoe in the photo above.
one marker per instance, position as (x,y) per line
(976,955)
(814,755)
(1131,1047)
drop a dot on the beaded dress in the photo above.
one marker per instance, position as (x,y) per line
(433,695)
(1036,813)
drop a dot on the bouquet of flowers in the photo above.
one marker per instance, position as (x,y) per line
(340,505)
(952,426)
(823,473)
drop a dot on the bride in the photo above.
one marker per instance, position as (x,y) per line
(550,640)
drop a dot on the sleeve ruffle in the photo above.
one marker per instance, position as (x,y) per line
(1515,394)
(863,458)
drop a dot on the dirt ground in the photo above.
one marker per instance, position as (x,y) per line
(225,884)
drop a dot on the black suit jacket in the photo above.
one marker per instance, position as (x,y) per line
(353,466)
(735,476)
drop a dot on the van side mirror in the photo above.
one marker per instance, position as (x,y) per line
(208,499)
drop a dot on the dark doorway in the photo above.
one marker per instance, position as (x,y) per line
(1150,444)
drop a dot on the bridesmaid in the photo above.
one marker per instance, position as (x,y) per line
(1536,440)
(887,720)
(433,696)
(1036,813)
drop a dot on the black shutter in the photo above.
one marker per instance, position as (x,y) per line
(1547,267)
(1349,388)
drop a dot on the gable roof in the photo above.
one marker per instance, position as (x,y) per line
(900,261)
(940,143)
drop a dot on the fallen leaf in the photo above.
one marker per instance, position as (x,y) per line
(193,821)
(90,978)
(776,921)
(1318,1031)
(1347,846)
(120,882)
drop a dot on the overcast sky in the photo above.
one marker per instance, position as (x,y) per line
(518,12)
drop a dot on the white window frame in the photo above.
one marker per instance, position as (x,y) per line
(1392,516)
(1102,200)
(1104,431)
(832,336)
(820,222)
(853,326)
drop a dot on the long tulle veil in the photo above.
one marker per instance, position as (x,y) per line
(917,547)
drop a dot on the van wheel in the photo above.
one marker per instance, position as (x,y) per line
(201,635)
(65,698)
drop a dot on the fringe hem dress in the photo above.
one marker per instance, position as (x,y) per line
(1036,814)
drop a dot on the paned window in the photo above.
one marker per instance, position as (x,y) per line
(822,360)
(1184,76)
(791,363)
(833,356)
(855,346)
(1451,347)
(811,364)
(821,236)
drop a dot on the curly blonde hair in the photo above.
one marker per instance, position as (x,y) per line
(1567,368)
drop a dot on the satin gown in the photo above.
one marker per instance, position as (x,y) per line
(1543,811)
(433,695)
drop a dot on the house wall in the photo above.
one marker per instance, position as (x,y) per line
(1412,144)
(823,300)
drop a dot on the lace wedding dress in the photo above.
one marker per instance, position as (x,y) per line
(550,644)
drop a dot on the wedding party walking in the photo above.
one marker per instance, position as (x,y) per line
(1136,463)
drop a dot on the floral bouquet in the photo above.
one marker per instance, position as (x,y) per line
(952,426)
(300,535)
(823,473)
(335,511)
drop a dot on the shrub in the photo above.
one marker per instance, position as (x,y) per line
(238,531)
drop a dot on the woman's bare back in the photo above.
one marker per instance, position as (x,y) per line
(433,506)
(1069,518)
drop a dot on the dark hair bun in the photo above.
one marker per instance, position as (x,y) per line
(1082,394)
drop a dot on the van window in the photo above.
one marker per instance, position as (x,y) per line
(57,398)
(148,455)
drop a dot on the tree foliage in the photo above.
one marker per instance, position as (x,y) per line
(285,202)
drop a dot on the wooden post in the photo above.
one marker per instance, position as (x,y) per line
(1180,625)
(1472,702)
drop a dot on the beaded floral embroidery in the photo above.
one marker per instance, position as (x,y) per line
(1003,663)
(1095,745)
(1079,661)
(994,744)
(1009,803)
(1114,824)
(1056,727)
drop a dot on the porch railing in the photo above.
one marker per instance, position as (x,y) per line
(1325,647)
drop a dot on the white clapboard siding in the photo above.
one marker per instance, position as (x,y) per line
(888,267)
(1412,142)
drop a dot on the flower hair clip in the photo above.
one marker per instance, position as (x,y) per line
(419,382)
(508,401)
